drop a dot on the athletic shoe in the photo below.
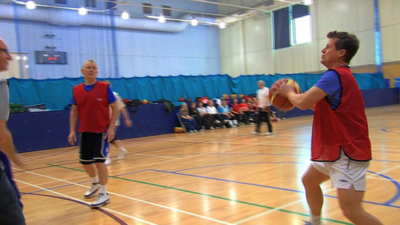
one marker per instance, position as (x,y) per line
(255,132)
(102,200)
(92,190)
(283,118)
(122,153)
(268,133)
(108,161)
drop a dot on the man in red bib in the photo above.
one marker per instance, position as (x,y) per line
(340,145)
(91,101)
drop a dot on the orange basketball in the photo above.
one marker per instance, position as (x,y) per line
(279,102)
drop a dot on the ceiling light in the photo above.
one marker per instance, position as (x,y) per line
(222,25)
(308,2)
(82,11)
(161,18)
(24,58)
(17,57)
(194,22)
(125,15)
(30,5)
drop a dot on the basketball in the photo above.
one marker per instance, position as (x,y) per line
(279,102)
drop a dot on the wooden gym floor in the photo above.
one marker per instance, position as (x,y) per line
(223,176)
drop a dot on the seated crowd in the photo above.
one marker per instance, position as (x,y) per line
(205,115)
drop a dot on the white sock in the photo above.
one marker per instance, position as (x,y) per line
(103,189)
(95,179)
(315,220)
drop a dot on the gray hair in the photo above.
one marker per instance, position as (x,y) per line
(88,61)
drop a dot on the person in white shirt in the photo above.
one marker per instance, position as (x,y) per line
(202,110)
(207,118)
(117,143)
(264,108)
(211,110)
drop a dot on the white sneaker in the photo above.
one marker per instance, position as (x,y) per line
(122,153)
(255,132)
(268,133)
(92,190)
(102,200)
(108,161)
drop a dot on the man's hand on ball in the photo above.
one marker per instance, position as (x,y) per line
(285,89)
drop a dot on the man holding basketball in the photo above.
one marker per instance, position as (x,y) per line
(340,145)
(91,102)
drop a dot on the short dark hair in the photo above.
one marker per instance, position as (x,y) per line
(346,41)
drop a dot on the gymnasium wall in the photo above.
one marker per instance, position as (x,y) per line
(194,50)
(390,31)
(247,46)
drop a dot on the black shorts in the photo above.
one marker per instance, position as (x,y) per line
(93,148)
(115,135)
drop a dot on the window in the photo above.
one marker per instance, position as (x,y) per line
(90,3)
(18,67)
(111,5)
(63,2)
(291,26)
(281,28)
(302,30)
(147,9)
(166,10)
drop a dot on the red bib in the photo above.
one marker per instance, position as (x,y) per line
(345,127)
(93,107)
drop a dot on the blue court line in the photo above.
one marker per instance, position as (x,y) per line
(270,187)
(229,164)
(385,129)
(68,185)
(397,196)
(288,154)
(387,203)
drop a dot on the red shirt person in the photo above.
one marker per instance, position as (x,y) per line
(91,102)
(340,146)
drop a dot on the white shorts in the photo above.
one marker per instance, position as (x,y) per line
(344,172)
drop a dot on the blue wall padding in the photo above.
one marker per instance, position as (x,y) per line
(47,130)
(57,93)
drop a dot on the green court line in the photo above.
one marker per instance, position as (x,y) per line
(211,196)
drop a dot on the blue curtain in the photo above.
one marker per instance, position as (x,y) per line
(57,93)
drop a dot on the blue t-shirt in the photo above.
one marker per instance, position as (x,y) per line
(224,109)
(111,96)
(330,83)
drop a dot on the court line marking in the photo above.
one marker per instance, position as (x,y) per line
(156,156)
(270,187)
(135,199)
(268,212)
(82,182)
(117,219)
(388,203)
(70,197)
(298,201)
(218,197)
